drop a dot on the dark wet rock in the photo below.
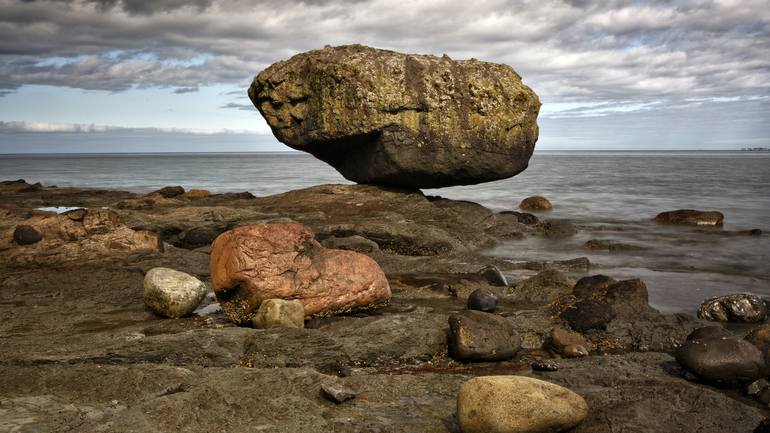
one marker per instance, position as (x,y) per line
(763,427)
(722,361)
(760,338)
(168,192)
(545,287)
(493,276)
(588,314)
(691,217)
(26,235)
(544,365)
(751,232)
(594,286)
(243,195)
(401,119)
(196,237)
(523,217)
(353,243)
(535,203)
(579,264)
(739,307)
(709,332)
(612,246)
(628,298)
(567,343)
(337,393)
(557,229)
(479,336)
(482,300)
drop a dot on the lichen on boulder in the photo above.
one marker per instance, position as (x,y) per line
(416,121)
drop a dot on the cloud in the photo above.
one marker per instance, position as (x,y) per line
(237,106)
(22,127)
(567,50)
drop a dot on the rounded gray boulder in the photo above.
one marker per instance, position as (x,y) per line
(172,293)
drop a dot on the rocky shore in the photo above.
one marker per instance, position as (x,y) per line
(81,352)
(356,308)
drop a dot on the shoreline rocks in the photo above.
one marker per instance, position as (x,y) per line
(250,264)
(416,121)
(171,293)
(478,336)
(738,307)
(722,361)
(691,217)
(535,203)
(517,404)
(279,313)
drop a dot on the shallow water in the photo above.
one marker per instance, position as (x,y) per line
(609,195)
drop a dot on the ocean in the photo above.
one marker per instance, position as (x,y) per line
(609,195)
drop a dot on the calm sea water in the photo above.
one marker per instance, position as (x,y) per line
(610,195)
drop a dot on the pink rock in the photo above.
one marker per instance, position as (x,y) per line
(253,263)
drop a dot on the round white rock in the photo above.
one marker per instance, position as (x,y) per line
(517,404)
(172,293)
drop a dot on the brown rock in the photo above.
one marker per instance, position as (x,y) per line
(197,193)
(691,217)
(478,336)
(594,286)
(567,343)
(535,203)
(252,263)
(168,192)
(26,235)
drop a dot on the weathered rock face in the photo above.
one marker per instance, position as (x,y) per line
(738,307)
(517,404)
(250,264)
(384,117)
(479,336)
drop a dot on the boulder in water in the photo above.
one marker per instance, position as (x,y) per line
(416,121)
(535,202)
(691,217)
(738,307)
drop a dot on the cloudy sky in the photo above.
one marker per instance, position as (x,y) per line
(171,75)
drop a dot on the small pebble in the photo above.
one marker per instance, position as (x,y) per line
(544,365)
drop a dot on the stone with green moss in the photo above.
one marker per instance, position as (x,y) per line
(398,119)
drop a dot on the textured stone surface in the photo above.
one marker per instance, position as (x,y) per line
(479,336)
(279,313)
(691,217)
(738,307)
(172,293)
(252,263)
(26,235)
(517,404)
(383,117)
(482,300)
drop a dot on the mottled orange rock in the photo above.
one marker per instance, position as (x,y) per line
(535,202)
(197,193)
(253,263)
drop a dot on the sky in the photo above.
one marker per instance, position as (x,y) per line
(171,75)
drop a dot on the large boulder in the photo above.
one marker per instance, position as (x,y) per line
(722,361)
(250,264)
(517,404)
(384,117)
(691,217)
